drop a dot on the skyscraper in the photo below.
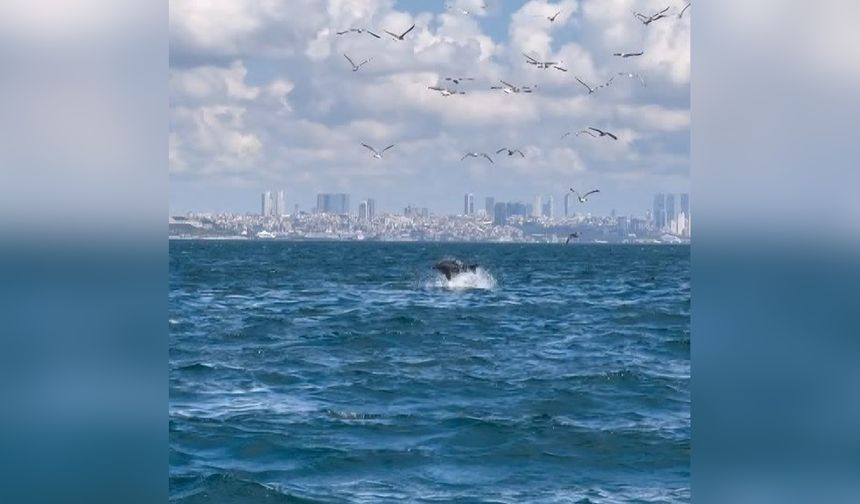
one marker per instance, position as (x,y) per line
(549,207)
(568,204)
(362,210)
(280,204)
(659,211)
(469,204)
(685,204)
(670,210)
(537,207)
(333,203)
(500,214)
(490,205)
(371,208)
(266,207)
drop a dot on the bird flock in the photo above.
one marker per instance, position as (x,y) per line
(451,89)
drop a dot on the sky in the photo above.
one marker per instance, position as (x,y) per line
(261,98)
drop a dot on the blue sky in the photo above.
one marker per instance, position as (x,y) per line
(262,98)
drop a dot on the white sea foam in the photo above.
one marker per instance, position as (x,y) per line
(478,279)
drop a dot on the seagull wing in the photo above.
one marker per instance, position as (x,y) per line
(412,27)
(567,133)
(468,154)
(371,33)
(436,88)
(349,59)
(684,9)
(385,149)
(640,53)
(371,149)
(590,192)
(530,58)
(506,84)
(392,34)
(597,130)
(662,11)
(612,136)
(575,192)
(560,68)
(584,84)
(342,32)
(520,153)
(488,157)
(500,150)
(365,61)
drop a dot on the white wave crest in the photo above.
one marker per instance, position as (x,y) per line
(478,279)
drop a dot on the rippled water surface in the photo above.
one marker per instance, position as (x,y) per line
(352,372)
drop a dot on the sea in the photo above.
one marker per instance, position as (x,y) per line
(352,372)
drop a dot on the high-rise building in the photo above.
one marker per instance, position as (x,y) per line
(333,203)
(568,204)
(659,214)
(685,204)
(490,205)
(500,214)
(362,210)
(670,210)
(537,207)
(371,208)
(267,205)
(516,208)
(280,204)
(469,204)
(549,207)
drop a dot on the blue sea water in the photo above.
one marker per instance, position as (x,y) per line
(352,372)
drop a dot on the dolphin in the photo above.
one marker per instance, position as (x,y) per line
(453,267)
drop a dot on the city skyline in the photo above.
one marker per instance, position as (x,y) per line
(266,101)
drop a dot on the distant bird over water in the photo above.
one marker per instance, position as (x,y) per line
(583,198)
(400,37)
(628,54)
(377,155)
(358,30)
(511,152)
(354,66)
(570,237)
(477,154)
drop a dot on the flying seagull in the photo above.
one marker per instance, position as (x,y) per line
(354,66)
(646,20)
(445,91)
(593,89)
(583,198)
(511,152)
(628,54)
(458,80)
(681,14)
(586,132)
(633,75)
(510,88)
(477,154)
(570,237)
(358,30)
(400,37)
(544,64)
(552,18)
(377,155)
(603,133)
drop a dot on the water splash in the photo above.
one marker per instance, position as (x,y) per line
(478,279)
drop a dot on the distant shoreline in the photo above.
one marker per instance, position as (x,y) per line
(340,240)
